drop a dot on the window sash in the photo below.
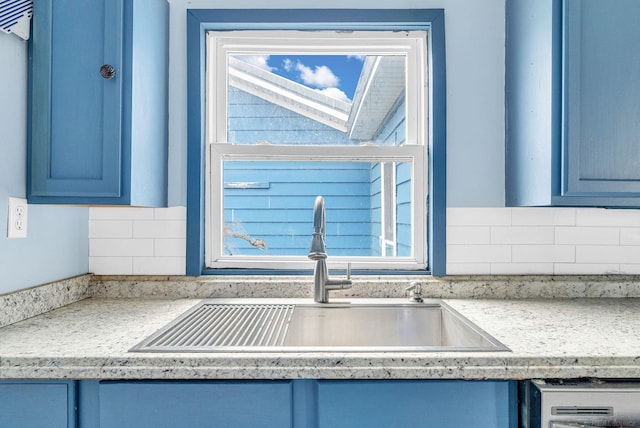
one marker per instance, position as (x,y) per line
(218,153)
(410,43)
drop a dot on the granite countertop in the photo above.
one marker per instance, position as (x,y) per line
(548,338)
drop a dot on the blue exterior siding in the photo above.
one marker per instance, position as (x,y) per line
(253,119)
(392,131)
(376,209)
(273,215)
(281,214)
(403,210)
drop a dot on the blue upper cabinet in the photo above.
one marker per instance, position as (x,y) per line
(98,102)
(573,103)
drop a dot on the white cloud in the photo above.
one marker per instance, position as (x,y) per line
(260,61)
(335,93)
(358,57)
(320,77)
(287,64)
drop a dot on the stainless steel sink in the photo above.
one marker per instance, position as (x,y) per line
(293,325)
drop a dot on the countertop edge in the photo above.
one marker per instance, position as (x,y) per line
(310,368)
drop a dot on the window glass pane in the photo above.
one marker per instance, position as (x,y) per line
(316,99)
(268,207)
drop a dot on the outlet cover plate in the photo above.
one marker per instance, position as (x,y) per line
(17,218)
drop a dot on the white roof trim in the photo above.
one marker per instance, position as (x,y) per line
(381,84)
(288,94)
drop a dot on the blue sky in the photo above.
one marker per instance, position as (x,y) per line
(336,75)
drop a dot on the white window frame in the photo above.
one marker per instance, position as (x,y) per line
(388,214)
(220,45)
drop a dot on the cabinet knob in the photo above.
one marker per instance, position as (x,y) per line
(107,71)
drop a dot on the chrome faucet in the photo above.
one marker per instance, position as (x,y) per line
(322,284)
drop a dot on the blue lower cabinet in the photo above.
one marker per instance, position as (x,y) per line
(37,404)
(157,404)
(299,403)
(415,403)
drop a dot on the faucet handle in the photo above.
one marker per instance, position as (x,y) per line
(415,292)
(348,270)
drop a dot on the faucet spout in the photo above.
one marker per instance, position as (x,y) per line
(322,284)
(318,250)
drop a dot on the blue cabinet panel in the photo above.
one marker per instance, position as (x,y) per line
(97,139)
(572,92)
(298,403)
(602,97)
(46,404)
(533,61)
(406,403)
(196,404)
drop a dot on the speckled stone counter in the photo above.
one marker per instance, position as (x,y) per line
(559,338)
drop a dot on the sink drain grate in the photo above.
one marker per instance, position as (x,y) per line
(219,326)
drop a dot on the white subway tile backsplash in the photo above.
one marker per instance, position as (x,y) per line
(480,241)
(478,216)
(111,265)
(172,213)
(587,235)
(543,216)
(159,265)
(607,254)
(521,268)
(479,253)
(630,268)
(120,247)
(110,229)
(608,217)
(630,236)
(544,241)
(120,213)
(544,253)
(159,229)
(468,235)
(522,235)
(126,241)
(468,268)
(170,247)
(586,268)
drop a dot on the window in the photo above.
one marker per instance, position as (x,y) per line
(375,151)
(282,130)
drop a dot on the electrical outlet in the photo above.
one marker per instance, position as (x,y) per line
(17,218)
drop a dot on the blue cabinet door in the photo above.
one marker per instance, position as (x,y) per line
(45,404)
(233,404)
(572,103)
(417,403)
(96,137)
(601,144)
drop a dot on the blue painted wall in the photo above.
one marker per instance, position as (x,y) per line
(56,246)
